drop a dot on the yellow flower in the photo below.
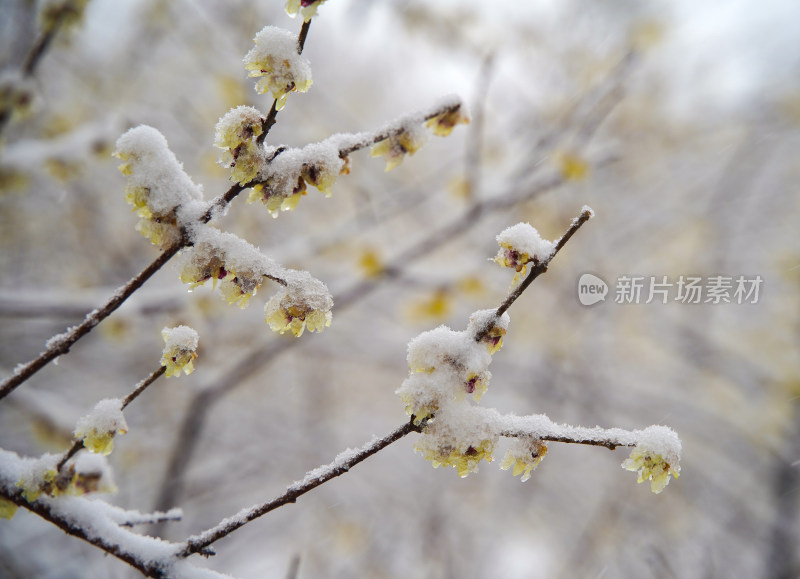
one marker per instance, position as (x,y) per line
(464,462)
(237,288)
(282,315)
(307,8)
(274,58)
(443,124)
(321,177)
(270,195)
(494,339)
(370,263)
(99,441)
(237,134)
(420,411)
(37,482)
(396,147)
(205,264)
(160,231)
(573,167)
(180,350)
(524,457)
(97,429)
(7,508)
(651,466)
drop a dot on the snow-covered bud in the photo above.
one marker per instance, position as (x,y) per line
(237,134)
(306,304)
(524,455)
(655,457)
(98,428)
(520,245)
(180,350)
(395,148)
(442,125)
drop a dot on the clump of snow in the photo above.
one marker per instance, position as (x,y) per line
(276,60)
(180,338)
(106,417)
(525,239)
(153,166)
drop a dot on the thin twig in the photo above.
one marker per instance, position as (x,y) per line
(60,345)
(312,480)
(77,445)
(142,386)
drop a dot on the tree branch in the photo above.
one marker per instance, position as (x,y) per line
(342,464)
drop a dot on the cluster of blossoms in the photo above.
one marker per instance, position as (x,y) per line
(520,245)
(410,136)
(157,187)
(275,60)
(88,473)
(286,178)
(180,350)
(307,8)
(447,367)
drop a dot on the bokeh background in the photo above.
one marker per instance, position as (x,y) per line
(676,121)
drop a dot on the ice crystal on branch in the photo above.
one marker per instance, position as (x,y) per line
(180,350)
(275,61)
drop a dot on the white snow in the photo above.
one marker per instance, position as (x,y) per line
(524,238)
(180,338)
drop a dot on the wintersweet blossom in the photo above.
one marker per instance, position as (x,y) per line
(395,148)
(205,262)
(239,286)
(524,455)
(520,245)
(275,61)
(180,350)
(282,315)
(651,466)
(157,186)
(98,428)
(442,125)
(307,8)
(279,193)
(7,508)
(237,134)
